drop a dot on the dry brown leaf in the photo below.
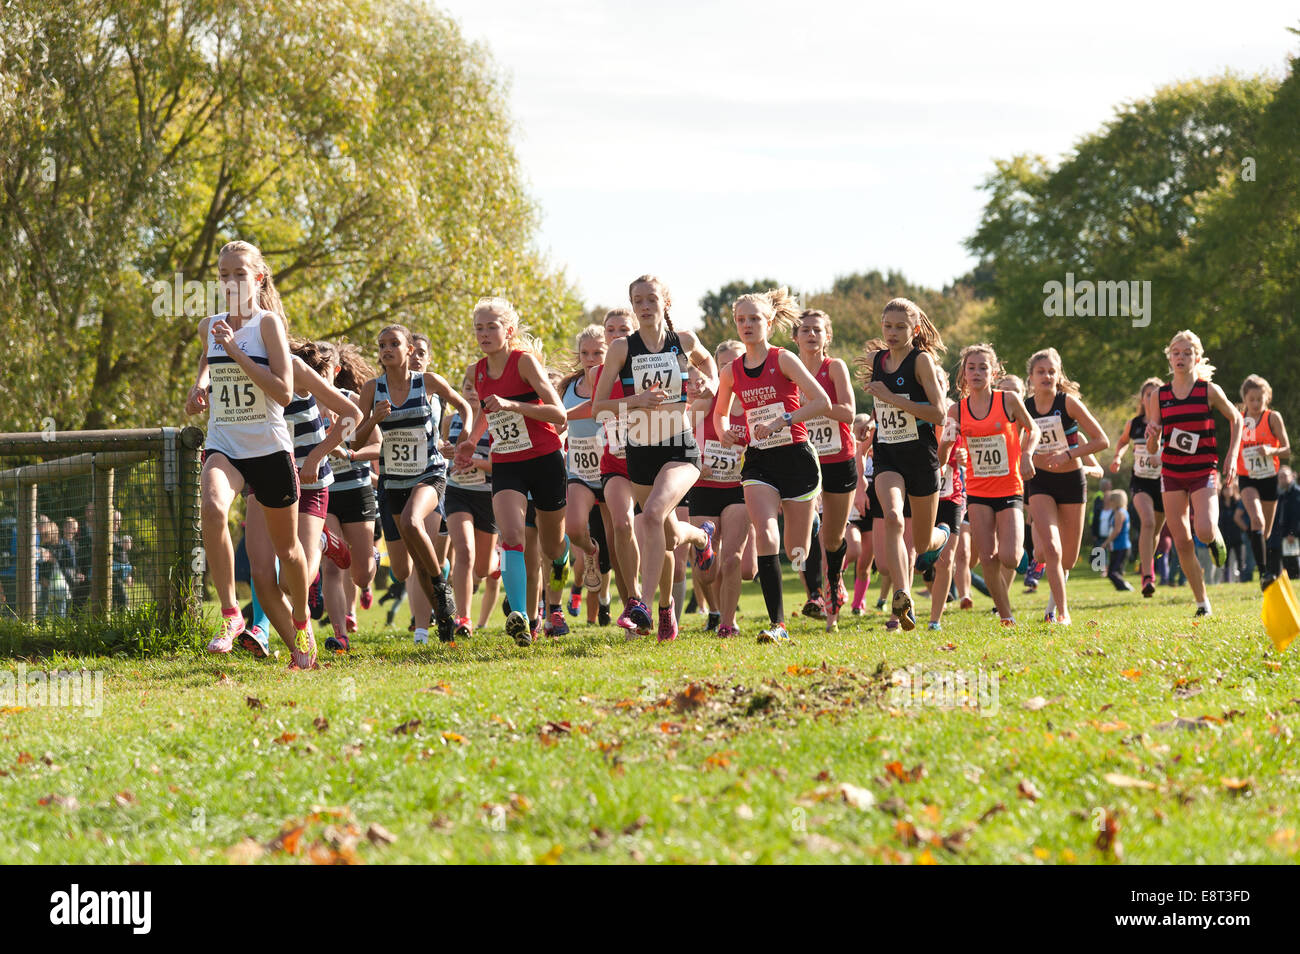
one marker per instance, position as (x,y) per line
(1125,781)
(1035,703)
(1233,784)
(407,727)
(244,852)
(454,737)
(377,834)
(253,702)
(859,798)
(1027,790)
(321,723)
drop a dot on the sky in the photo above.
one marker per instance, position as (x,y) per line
(714,140)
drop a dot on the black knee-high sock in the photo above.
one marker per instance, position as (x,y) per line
(835,562)
(769,578)
(1259,548)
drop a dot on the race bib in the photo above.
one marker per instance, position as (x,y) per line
(769,414)
(339,462)
(1052,439)
(616,436)
(234,399)
(664,370)
(1184,441)
(509,432)
(1258,463)
(473,477)
(945,482)
(824,435)
(988,455)
(584,458)
(894,425)
(406,451)
(1145,464)
(720,462)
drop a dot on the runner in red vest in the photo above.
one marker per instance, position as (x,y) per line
(1182,420)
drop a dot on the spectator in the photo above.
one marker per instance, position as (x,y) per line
(123,572)
(1099,533)
(1117,539)
(1284,541)
(1231,514)
(65,552)
(54,590)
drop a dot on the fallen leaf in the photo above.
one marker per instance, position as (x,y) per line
(286,737)
(1109,726)
(905,775)
(1035,703)
(925,858)
(407,727)
(670,728)
(454,737)
(244,852)
(67,802)
(12,710)
(932,812)
(442,687)
(948,647)
(377,834)
(551,857)
(321,723)
(907,832)
(999,807)
(23,758)
(633,827)
(859,798)
(1234,784)
(253,702)
(1134,674)
(1125,781)
(690,698)
(1027,790)
(894,806)
(123,799)
(1108,835)
(288,841)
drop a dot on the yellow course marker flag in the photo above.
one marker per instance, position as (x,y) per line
(1280,614)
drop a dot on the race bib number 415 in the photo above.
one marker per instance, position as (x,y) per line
(235,399)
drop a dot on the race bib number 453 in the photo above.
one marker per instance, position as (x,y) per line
(509,432)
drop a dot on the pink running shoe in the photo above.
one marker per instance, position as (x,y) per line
(704,555)
(635,618)
(667,623)
(350,623)
(337,551)
(231,628)
(728,632)
(302,654)
(367,598)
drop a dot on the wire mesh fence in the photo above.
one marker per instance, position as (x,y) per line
(96,523)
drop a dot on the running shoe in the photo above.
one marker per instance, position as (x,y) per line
(1009,622)
(966,603)
(602,614)
(350,623)
(880,604)
(256,642)
(337,644)
(926,559)
(1203,611)
(463,628)
(667,624)
(902,608)
(517,629)
(704,554)
(333,547)
(1148,586)
(316,599)
(1034,574)
(727,632)
(575,603)
(712,623)
(638,617)
(224,642)
(836,597)
(591,575)
(421,637)
(444,600)
(775,633)
(303,653)
(814,609)
(1218,549)
(367,598)
(556,626)
(934,626)
(892,625)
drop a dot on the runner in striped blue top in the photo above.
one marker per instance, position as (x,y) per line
(412,474)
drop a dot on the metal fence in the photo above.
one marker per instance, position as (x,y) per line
(96,522)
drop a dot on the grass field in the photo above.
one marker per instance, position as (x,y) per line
(1138,735)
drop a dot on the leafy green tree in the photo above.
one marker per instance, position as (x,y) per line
(717,325)
(364,146)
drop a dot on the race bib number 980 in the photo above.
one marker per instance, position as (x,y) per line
(584,458)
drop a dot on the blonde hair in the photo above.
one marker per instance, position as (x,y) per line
(731,344)
(1063,384)
(995,366)
(865,362)
(1256,381)
(830,334)
(926,336)
(664,293)
(576,370)
(1148,383)
(1118,496)
(777,305)
(516,338)
(621,313)
(268,299)
(1010,382)
(1202,370)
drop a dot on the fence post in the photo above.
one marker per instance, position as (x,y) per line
(101,570)
(165,500)
(189,534)
(28,541)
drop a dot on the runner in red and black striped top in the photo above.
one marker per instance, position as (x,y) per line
(1185,425)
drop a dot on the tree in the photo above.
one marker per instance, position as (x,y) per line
(364,146)
(717,325)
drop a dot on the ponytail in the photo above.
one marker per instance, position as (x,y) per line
(268,299)
(776,305)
